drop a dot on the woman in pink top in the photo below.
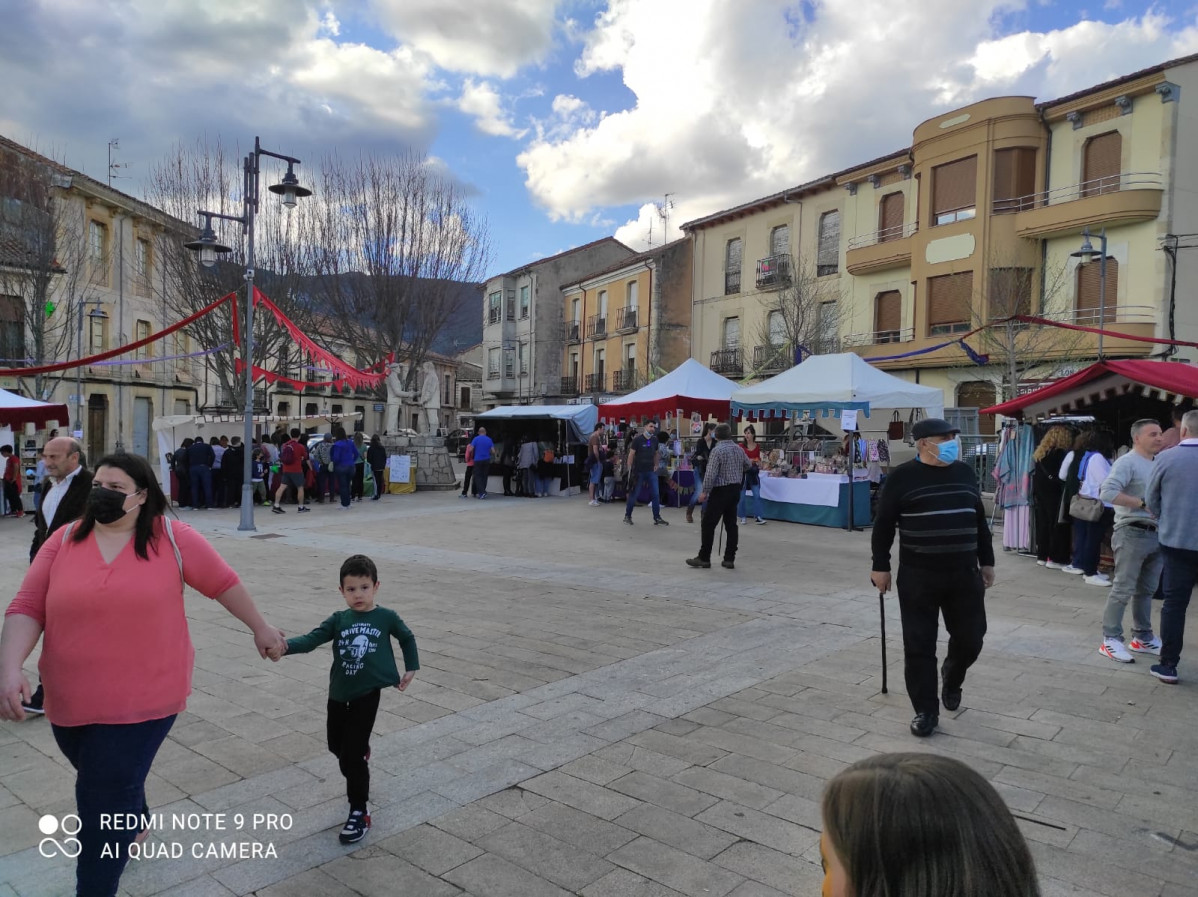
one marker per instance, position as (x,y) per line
(116,655)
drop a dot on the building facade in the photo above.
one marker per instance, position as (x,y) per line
(627,324)
(523,330)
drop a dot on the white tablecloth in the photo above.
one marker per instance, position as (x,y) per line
(818,489)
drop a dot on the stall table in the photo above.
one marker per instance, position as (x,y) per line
(821,499)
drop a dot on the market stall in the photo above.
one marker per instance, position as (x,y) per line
(848,394)
(564,427)
(20,415)
(689,389)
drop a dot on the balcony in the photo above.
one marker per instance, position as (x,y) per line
(594,382)
(879,337)
(573,332)
(1128,198)
(597,327)
(727,361)
(881,250)
(623,380)
(770,358)
(773,272)
(569,386)
(493,374)
(626,320)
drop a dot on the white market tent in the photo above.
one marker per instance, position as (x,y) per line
(17,410)
(829,384)
(691,387)
(580,419)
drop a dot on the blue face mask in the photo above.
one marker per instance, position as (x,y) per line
(948,452)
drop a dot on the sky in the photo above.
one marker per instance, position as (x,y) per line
(565,120)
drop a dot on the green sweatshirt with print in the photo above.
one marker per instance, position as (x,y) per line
(363,658)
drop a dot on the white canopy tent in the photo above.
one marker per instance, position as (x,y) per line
(691,387)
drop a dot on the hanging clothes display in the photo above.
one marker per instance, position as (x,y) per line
(1012,474)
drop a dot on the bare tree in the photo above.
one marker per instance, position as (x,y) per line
(45,271)
(390,242)
(804,314)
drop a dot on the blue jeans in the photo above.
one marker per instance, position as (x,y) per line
(1181,573)
(639,479)
(112,762)
(1091,542)
(345,477)
(201,485)
(742,504)
(698,487)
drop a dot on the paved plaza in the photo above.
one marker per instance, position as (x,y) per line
(593,717)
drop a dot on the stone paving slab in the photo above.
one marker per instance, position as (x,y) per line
(592,717)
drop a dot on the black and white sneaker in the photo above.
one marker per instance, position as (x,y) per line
(277,510)
(34,704)
(356,827)
(660,521)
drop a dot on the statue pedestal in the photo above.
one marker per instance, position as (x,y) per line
(434,469)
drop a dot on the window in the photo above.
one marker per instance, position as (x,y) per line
(141,259)
(574,364)
(97,250)
(338,409)
(492,364)
(890,217)
(448,390)
(1102,161)
(576,311)
(950,303)
(731,333)
(732,254)
(1014,179)
(780,240)
(827,260)
(310,409)
(181,348)
(828,322)
(633,290)
(98,332)
(522,356)
(524,301)
(630,357)
(142,331)
(511,305)
(954,191)
(509,361)
(12,331)
(600,358)
(284,409)
(1090,303)
(979,394)
(603,304)
(493,311)
(1010,292)
(182,406)
(464,398)
(888,316)
(776,328)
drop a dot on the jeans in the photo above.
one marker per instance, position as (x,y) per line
(325,481)
(1137,575)
(201,486)
(1091,542)
(111,762)
(482,470)
(721,505)
(634,488)
(741,506)
(345,476)
(348,728)
(923,596)
(1181,573)
(379,485)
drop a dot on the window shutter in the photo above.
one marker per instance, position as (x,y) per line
(954,186)
(732,255)
(780,240)
(1089,286)
(890,217)
(889,312)
(828,255)
(949,299)
(1014,179)
(1102,164)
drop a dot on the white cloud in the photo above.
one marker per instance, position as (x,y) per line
(735,101)
(481,38)
(483,102)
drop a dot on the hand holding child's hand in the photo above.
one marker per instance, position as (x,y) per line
(406,680)
(277,651)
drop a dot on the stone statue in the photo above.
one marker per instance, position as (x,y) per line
(430,397)
(397,375)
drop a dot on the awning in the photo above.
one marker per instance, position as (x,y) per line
(1100,382)
(16,411)
(691,387)
(580,419)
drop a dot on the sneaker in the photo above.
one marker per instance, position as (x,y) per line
(628,520)
(1145,646)
(1041,563)
(35,702)
(342,507)
(1166,674)
(20,513)
(660,521)
(356,827)
(1072,570)
(303,509)
(266,504)
(593,503)
(1099,581)
(1053,565)
(698,562)
(1113,648)
(463,495)
(740,520)
(760,522)
(277,510)
(483,496)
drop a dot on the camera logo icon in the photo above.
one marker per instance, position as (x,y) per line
(69,825)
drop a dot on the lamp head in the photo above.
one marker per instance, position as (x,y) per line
(1086,253)
(290,188)
(207,245)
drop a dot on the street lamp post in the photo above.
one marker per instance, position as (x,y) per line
(95,313)
(209,248)
(1086,255)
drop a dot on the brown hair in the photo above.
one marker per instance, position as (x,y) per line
(1057,437)
(909,825)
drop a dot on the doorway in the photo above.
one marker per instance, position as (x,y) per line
(143,413)
(97,428)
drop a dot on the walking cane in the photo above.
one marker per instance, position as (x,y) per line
(882,617)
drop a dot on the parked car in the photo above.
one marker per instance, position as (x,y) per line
(456,442)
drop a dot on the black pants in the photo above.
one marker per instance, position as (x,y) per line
(359,487)
(1053,538)
(721,505)
(482,470)
(923,596)
(466,478)
(349,727)
(13,496)
(379,486)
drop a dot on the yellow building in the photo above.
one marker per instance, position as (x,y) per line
(981,218)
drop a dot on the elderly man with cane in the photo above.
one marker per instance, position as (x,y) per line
(726,466)
(946,563)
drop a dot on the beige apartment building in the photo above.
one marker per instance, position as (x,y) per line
(980,218)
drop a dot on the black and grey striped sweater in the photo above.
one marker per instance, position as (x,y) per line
(939,514)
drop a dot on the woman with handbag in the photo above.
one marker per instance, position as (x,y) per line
(1089,510)
(1052,536)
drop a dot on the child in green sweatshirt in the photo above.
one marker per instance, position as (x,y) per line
(363,664)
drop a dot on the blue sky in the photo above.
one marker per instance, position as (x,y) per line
(568,120)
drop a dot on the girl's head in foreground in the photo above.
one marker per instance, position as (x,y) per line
(912,825)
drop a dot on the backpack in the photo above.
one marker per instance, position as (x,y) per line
(287,455)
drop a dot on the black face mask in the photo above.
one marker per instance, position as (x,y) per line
(106,505)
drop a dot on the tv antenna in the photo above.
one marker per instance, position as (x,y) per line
(663,212)
(114,144)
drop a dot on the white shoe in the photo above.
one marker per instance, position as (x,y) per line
(1146,646)
(760,522)
(1053,565)
(1072,570)
(1097,581)
(1041,563)
(593,503)
(740,520)
(1113,648)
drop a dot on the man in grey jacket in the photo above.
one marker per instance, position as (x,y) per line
(1173,498)
(1137,552)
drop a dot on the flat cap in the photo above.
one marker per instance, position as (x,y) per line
(933,426)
